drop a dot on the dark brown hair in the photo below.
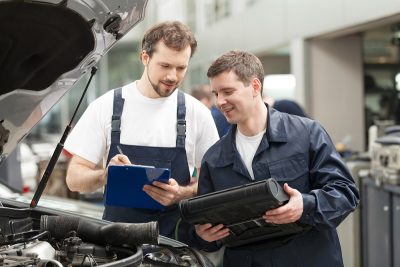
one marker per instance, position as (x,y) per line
(245,65)
(173,34)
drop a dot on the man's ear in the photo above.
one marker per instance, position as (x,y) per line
(256,84)
(144,57)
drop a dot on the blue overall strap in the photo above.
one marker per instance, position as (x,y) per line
(118,105)
(181,122)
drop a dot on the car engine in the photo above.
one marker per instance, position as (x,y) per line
(56,241)
(72,252)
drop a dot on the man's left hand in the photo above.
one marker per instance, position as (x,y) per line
(165,193)
(288,213)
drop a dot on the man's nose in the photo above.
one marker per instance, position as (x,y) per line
(220,100)
(172,74)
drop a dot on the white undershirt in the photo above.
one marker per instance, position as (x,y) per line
(247,147)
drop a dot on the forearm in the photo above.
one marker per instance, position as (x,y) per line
(190,190)
(83,179)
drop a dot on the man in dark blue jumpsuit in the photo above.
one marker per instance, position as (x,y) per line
(296,151)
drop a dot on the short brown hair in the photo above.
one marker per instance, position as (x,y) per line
(202,91)
(245,65)
(173,34)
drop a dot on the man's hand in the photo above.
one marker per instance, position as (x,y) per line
(167,193)
(288,213)
(119,159)
(211,233)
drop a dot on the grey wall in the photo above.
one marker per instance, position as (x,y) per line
(270,23)
(276,64)
(336,88)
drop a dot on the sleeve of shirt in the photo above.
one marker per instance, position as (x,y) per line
(334,194)
(88,137)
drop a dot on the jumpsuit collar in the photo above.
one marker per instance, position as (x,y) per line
(275,133)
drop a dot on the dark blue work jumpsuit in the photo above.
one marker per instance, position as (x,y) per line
(299,152)
(173,158)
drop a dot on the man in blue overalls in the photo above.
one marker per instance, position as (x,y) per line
(153,124)
(296,151)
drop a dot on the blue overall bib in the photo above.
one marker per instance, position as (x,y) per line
(173,158)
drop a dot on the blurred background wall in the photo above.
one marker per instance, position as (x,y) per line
(329,48)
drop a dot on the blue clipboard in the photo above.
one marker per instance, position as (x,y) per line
(125,186)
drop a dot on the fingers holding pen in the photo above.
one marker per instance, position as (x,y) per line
(120,159)
(124,159)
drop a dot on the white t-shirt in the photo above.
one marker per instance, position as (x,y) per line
(144,121)
(247,148)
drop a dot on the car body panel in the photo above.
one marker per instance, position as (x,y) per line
(35,72)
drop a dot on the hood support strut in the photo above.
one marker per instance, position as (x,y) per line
(56,154)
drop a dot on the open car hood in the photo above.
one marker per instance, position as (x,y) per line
(45,48)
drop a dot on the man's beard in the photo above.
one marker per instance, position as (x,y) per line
(157,89)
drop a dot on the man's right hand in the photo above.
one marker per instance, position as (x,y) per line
(288,213)
(211,233)
(119,159)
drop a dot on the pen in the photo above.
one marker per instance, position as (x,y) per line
(120,150)
(133,164)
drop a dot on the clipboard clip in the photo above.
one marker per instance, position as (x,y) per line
(137,165)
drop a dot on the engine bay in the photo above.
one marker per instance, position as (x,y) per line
(29,238)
